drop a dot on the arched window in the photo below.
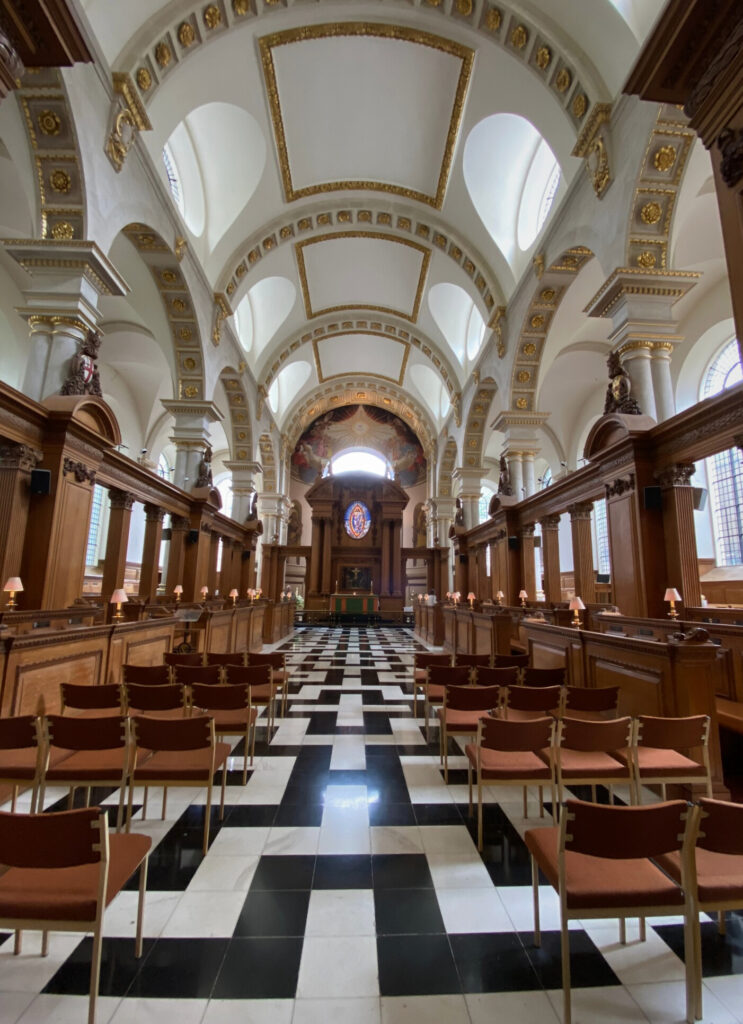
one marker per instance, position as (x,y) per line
(546,478)
(163,467)
(482,509)
(361,461)
(174,181)
(725,470)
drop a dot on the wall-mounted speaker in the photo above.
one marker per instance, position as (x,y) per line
(699,495)
(41,481)
(513,543)
(167,534)
(192,537)
(652,498)
(463,559)
(245,556)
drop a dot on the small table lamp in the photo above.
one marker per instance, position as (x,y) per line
(471,599)
(288,595)
(420,598)
(118,598)
(283,595)
(178,590)
(499,597)
(523,598)
(204,591)
(576,605)
(672,596)
(234,595)
(13,586)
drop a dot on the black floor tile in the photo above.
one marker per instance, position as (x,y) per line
(174,861)
(322,723)
(119,967)
(407,912)
(401,871)
(260,969)
(416,965)
(276,872)
(180,969)
(250,815)
(343,871)
(377,723)
(299,815)
(274,913)
(437,814)
(721,954)
(588,969)
(391,814)
(494,963)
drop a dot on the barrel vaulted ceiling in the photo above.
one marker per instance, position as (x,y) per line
(365,183)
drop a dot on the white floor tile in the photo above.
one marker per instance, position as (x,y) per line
(53,1009)
(396,839)
(472,910)
(635,962)
(224,874)
(335,912)
(120,919)
(338,968)
(447,839)
(204,915)
(665,1003)
(424,1009)
(728,989)
(13,1004)
(249,1011)
(288,841)
(154,1011)
(349,753)
(336,1011)
(458,871)
(511,1008)
(600,1006)
(30,971)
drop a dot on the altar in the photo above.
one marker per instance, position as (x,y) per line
(361,606)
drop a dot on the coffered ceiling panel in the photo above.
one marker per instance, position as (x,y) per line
(372,354)
(346,97)
(362,270)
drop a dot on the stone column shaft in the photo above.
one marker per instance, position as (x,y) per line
(327,552)
(176,556)
(662,383)
(528,568)
(551,557)
(315,556)
(116,544)
(153,533)
(682,566)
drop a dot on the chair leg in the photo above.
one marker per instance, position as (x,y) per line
(426,715)
(445,744)
(208,817)
(224,786)
(693,960)
(70,798)
(479,814)
(721,927)
(526,808)
(45,943)
(15,797)
(130,806)
(623,931)
(246,754)
(469,782)
(565,956)
(17,942)
(144,802)
(165,802)
(541,802)
(95,972)
(140,906)
(643,930)
(535,897)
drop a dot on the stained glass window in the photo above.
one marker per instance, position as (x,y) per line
(357,520)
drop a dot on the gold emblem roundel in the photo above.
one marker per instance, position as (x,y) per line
(49,123)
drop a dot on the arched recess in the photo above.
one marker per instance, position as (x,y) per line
(268,461)
(240,439)
(476,422)
(446,468)
(548,294)
(656,189)
(52,139)
(179,307)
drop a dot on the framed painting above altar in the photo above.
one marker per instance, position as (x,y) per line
(356,577)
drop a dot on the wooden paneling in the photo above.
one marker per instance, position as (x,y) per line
(140,643)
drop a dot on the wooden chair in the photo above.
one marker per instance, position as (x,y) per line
(662,753)
(598,861)
(279,674)
(461,712)
(205,675)
(716,871)
(510,660)
(214,658)
(495,676)
(91,700)
(542,676)
(434,688)
(592,703)
(62,871)
(193,658)
(98,753)
(507,754)
(421,663)
(183,752)
(232,709)
(583,755)
(474,660)
(22,756)
(164,701)
(149,675)
(262,691)
(523,703)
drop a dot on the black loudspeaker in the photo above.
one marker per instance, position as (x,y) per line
(699,495)
(245,556)
(537,542)
(462,559)
(41,481)
(652,498)
(167,534)
(192,537)
(513,543)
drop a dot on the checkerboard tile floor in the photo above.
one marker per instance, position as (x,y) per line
(344,884)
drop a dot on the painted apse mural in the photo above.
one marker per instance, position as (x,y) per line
(359,426)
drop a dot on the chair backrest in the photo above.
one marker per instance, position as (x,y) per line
(472,698)
(154,698)
(496,676)
(214,658)
(275,659)
(533,698)
(510,660)
(108,732)
(591,698)
(500,734)
(18,732)
(623,833)
(251,675)
(721,827)
(187,675)
(673,733)
(62,839)
(224,698)
(194,658)
(543,676)
(448,675)
(76,695)
(422,659)
(473,660)
(578,734)
(173,733)
(152,675)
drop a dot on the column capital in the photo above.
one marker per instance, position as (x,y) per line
(179,523)
(121,499)
(192,416)
(636,294)
(581,510)
(678,474)
(550,523)
(19,456)
(153,513)
(527,530)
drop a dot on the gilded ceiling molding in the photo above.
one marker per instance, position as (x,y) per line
(359,389)
(127,117)
(179,307)
(50,127)
(593,145)
(381,326)
(368,29)
(446,469)
(378,376)
(397,225)
(656,189)
(474,433)
(299,248)
(241,440)
(268,462)
(549,293)
(524,39)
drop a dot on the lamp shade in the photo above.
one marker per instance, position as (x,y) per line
(204,591)
(119,597)
(523,595)
(670,595)
(234,593)
(13,585)
(288,595)
(471,596)
(178,589)
(500,595)
(576,605)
